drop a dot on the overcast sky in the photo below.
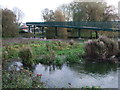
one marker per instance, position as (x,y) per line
(32,8)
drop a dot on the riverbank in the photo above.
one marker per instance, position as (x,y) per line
(43,51)
(33,51)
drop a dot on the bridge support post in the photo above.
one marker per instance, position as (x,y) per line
(34,30)
(96,34)
(39,29)
(29,28)
(90,34)
(79,30)
(42,32)
(56,32)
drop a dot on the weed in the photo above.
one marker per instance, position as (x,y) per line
(73,58)
(9,52)
(26,55)
(59,60)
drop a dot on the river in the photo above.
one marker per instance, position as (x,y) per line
(90,74)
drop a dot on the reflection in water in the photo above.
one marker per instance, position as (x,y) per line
(52,67)
(78,75)
(95,68)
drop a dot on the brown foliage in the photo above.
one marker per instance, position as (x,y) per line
(50,32)
(109,34)
(48,16)
(103,49)
(59,17)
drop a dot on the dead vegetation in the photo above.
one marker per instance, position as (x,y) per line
(102,49)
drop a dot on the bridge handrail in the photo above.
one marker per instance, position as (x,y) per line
(109,24)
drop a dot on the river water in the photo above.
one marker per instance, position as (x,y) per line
(104,75)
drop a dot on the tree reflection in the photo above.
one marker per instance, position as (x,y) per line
(94,68)
(52,68)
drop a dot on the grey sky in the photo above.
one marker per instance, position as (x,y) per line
(32,8)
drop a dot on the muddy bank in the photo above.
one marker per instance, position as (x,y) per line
(26,40)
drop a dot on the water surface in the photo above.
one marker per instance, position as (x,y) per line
(104,75)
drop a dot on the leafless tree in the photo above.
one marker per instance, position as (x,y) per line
(19,15)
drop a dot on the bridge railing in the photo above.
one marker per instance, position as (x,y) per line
(110,24)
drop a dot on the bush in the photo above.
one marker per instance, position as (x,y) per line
(103,48)
(51,58)
(48,58)
(27,34)
(73,58)
(20,79)
(10,52)
(59,60)
(26,55)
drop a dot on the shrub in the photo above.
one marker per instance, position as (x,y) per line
(47,58)
(59,60)
(103,48)
(27,35)
(73,58)
(10,52)
(51,58)
(20,79)
(26,55)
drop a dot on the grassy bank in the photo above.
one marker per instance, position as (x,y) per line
(47,52)
(33,52)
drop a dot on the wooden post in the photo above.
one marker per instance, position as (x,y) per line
(34,31)
(56,32)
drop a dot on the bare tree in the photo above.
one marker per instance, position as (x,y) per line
(19,15)
(48,15)
(110,14)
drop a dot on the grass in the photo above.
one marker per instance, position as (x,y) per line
(46,51)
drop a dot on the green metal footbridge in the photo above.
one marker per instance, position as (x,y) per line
(113,26)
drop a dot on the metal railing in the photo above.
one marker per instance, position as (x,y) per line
(103,25)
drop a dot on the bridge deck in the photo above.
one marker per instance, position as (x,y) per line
(98,26)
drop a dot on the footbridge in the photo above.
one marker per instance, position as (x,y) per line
(112,26)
